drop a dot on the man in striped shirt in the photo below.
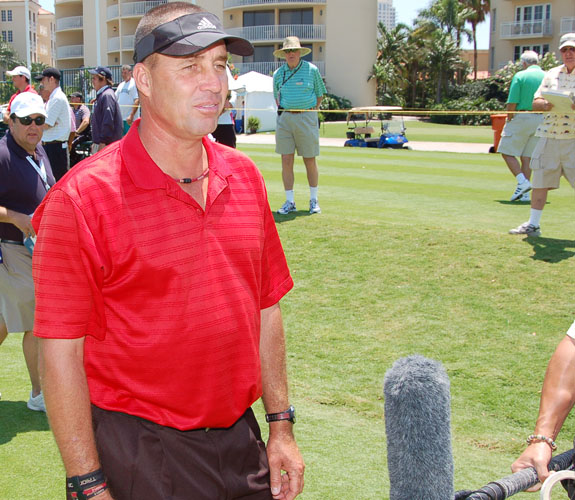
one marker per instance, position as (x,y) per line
(298,90)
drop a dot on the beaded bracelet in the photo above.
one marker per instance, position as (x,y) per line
(540,437)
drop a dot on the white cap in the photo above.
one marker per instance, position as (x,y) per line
(20,70)
(567,40)
(26,104)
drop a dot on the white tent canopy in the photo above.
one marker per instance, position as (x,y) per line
(257,93)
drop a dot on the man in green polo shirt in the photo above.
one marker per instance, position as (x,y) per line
(298,90)
(518,137)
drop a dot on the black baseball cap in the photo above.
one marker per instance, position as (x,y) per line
(48,72)
(77,94)
(189,34)
(102,71)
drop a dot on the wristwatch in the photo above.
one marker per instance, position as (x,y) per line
(288,414)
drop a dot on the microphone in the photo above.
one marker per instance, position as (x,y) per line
(418,429)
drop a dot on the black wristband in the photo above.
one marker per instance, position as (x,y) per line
(87,486)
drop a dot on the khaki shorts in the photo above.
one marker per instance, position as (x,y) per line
(551,159)
(16,288)
(518,136)
(297,131)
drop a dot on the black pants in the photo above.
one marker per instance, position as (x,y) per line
(146,461)
(58,157)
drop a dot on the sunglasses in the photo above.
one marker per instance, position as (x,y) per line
(290,51)
(567,49)
(27,120)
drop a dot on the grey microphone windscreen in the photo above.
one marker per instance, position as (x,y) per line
(418,428)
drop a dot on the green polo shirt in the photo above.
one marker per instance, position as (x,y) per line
(523,86)
(298,88)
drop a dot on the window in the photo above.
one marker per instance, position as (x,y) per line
(519,49)
(10,38)
(4,36)
(310,55)
(3,16)
(259,18)
(9,11)
(296,16)
(494,20)
(262,53)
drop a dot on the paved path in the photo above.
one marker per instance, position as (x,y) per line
(451,147)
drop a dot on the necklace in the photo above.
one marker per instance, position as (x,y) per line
(188,180)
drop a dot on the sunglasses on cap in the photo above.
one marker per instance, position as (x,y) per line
(27,120)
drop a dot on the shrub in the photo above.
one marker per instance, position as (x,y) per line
(253,124)
(333,102)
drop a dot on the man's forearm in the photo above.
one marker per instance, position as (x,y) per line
(273,361)
(67,400)
(558,394)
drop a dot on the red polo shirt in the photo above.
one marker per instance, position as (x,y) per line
(168,295)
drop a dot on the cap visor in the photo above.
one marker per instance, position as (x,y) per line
(197,42)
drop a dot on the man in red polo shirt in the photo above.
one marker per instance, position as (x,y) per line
(21,78)
(158,273)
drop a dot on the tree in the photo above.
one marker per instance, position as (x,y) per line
(389,67)
(447,15)
(9,58)
(479,9)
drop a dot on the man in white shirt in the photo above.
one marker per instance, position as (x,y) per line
(57,125)
(127,96)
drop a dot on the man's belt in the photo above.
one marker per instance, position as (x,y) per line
(11,242)
(299,110)
(53,142)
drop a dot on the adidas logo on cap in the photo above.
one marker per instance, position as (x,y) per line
(204,24)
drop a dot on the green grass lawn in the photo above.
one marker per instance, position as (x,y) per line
(420,131)
(410,255)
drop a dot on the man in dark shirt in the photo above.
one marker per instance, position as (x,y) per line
(107,124)
(25,177)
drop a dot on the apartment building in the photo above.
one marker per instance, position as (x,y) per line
(386,13)
(340,33)
(32,42)
(519,25)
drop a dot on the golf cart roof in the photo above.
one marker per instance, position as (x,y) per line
(375,109)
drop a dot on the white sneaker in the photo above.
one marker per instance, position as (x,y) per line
(314,206)
(526,228)
(525,197)
(286,208)
(36,403)
(521,189)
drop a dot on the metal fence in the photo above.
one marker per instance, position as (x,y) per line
(72,80)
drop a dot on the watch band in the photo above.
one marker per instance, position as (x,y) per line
(288,414)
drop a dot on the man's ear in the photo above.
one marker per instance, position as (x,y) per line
(143,79)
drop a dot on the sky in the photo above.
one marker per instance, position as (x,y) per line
(406,11)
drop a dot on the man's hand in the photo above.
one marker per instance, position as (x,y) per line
(284,455)
(22,222)
(536,455)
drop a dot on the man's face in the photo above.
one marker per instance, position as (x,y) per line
(26,136)
(19,82)
(49,83)
(75,101)
(126,75)
(568,56)
(292,57)
(186,95)
(98,82)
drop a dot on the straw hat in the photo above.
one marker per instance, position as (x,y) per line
(291,43)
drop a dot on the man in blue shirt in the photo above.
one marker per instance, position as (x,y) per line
(107,123)
(298,90)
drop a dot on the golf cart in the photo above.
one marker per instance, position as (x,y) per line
(362,136)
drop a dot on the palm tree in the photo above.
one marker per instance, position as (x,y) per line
(479,9)
(389,68)
(449,16)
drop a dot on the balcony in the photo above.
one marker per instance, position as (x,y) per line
(70,52)
(268,67)
(527,29)
(305,32)
(131,9)
(567,25)
(231,4)
(70,23)
(127,43)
